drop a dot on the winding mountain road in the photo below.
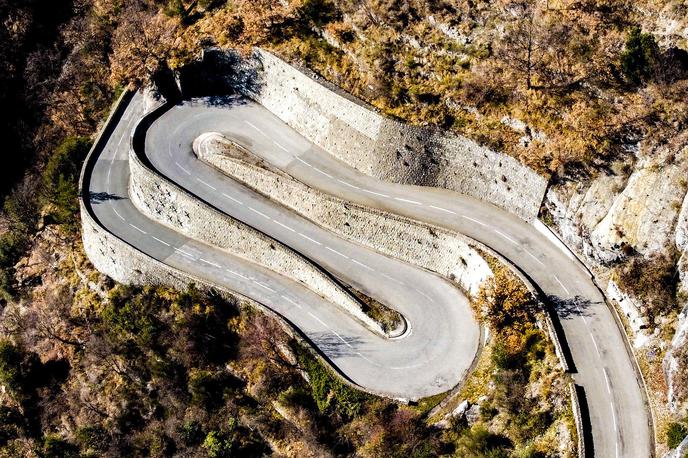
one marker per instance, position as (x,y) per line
(443,338)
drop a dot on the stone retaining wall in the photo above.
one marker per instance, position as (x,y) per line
(168,204)
(389,150)
(421,244)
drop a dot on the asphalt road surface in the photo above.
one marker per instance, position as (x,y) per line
(443,337)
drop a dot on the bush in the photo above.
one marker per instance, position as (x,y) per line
(330,393)
(56,447)
(653,280)
(191,433)
(60,178)
(640,55)
(218,445)
(93,439)
(675,434)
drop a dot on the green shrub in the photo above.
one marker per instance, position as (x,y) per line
(60,178)
(675,433)
(218,444)
(56,447)
(92,439)
(330,393)
(640,55)
(191,433)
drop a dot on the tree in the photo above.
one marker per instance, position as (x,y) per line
(639,56)
(523,46)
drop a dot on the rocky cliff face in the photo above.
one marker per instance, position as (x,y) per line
(636,214)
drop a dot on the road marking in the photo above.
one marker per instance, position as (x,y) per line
(336,252)
(263,286)
(117,213)
(310,239)
(474,220)
(291,301)
(260,213)
(284,226)
(506,236)
(375,193)
(594,341)
(534,257)
(319,320)
(301,160)
(161,241)
(371,362)
(424,295)
(341,338)
(255,127)
(138,229)
(232,198)
(180,166)
(606,376)
(280,146)
(442,209)
(188,255)
(393,279)
(210,262)
(400,199)
(562,285)
(324,173)
(348,184)
(362,265)
(207,184)
(237,274)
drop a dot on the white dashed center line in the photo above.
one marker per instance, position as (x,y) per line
(207,184)
(365,266)
(209,262)
(258,212)
(117,213)
(264,286)
(161,241)
(291,301)
(348,184)
(309,239)
(400,199)
(442,209)
(281,147)
(506,237)
(301,160)
(375,193)
(336,252)
(253,126)
(188,255)
(324,173)
(319,320)
(561,284)
(284,226)
(474,220)
(237,274)
(181,167)
(138,229)
(232,198)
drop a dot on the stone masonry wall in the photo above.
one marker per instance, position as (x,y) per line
(390,150)
(171,206)
(432,248)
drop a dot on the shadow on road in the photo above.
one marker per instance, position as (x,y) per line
(569,307)
(100,197)
(333,347)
